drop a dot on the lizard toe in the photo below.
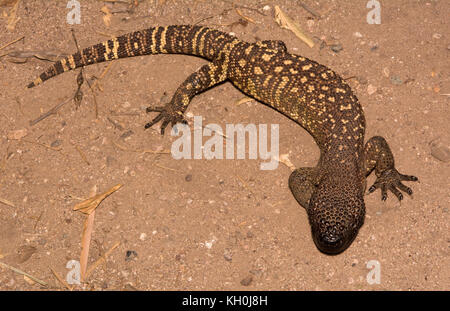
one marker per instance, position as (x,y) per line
(391,180)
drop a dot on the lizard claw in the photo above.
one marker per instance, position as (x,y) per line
(390,180)
(168,115)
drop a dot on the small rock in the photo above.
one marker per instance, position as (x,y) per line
(437,36)
(396,80)
(336,47)
(227,255)
(371,89)
(247,281)
(127,134)
(143,236)
(440,151)
(362,80)
(110,161)
(17,134)
(188,177)
(130,255)
(266,8)
(358,34)
(56,143)
(386,72)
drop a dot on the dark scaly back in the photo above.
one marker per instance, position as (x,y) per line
(178,39)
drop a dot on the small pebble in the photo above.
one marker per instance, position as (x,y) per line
(227,255)
(127,134)
(437,36)
(358,34)
(440,151)
(247,281)
(188,177)
(396,80)
(336,47)
(371,89)
(143,236)
(56,143)
(130,255)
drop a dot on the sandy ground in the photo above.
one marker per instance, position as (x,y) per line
(219,224)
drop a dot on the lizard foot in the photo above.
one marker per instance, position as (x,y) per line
(391,179)
(168,114)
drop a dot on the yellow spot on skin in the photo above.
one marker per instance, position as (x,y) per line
(340,147)
(303,79)
(344,121)
(294,89)
(258,71)
(348,107)
(266,57)
(287,62)
(324,75)
(242,62)
(64,65)
(266,82)
(278,69)
(321,96)
(194,42)
(331,99)
(339,90)
(71,62)
(356,117)
(113,50)
(293,71)
(307,67)
(136,45)
(325,88)
(248,50)
(311,88)
(312,74)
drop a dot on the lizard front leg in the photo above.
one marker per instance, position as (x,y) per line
(173,112)
(303,182)
(378,157)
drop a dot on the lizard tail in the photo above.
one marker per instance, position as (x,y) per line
(179,39)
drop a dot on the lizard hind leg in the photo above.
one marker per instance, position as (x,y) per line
(303,182)
(173,112)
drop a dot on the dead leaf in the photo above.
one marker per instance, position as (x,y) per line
(12,20)
(24,253)
(284,158)
(107,16)
(87,206)
(17,134)
(287,23)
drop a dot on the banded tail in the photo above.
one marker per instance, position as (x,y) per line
(178,39)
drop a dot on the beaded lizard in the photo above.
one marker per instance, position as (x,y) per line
(303,90)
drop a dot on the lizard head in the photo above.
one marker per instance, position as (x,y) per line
(336,212)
